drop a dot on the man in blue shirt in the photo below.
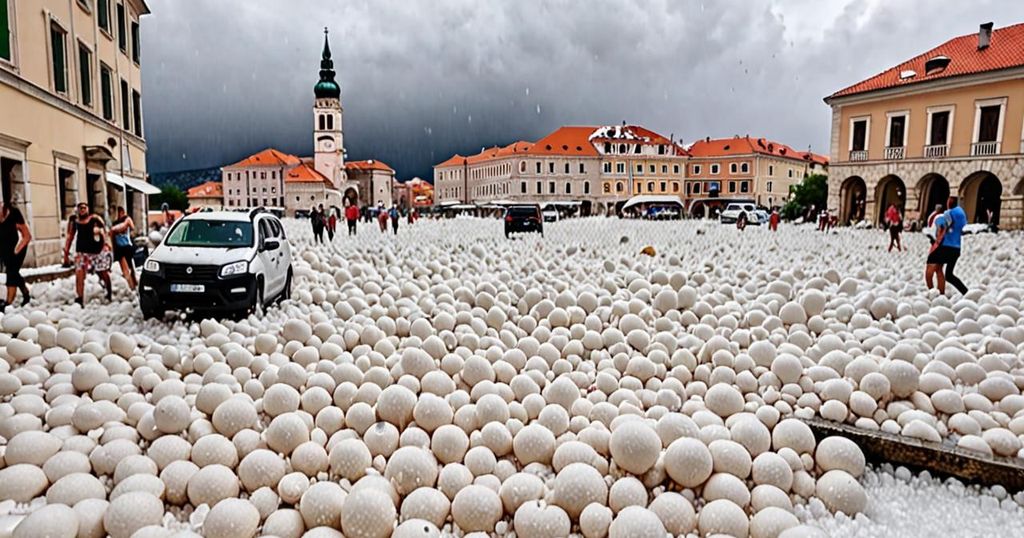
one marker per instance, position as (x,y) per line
(946,249)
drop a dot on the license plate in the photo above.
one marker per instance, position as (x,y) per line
(188,288)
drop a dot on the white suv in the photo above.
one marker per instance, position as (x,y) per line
(733,211)
(224,261)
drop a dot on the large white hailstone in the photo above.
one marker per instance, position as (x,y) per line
(56,520)
(627,491)
(231,518)
(919,429)
(285,523)
(724,400)
(171,415)
(726,486)
(752,434)
(64,463)
(431,412)
(322,504)
(767,495)
(730,457)
(722,517)
(296,330)
(787,368)
(833,410)
(349,459)
(533,444)
(130,512)
(771,522)
(576,486)
(1002,441)
(636,522)
(676,513)
(286,432)
(22,482)
(595,520)
(416,528)
(449,443)
(792,433)
(292,486)
(841,493)
(214,448)
(771,468)
(211,484)
(368,513)
(688,462)
(280,398)
(429,504)
(411,467)
(175,478)
(395,405)
(634,446)
(476,508)
(535,519)
(234,415)
(840,453)
(261,468)
(903,378)
(33,447)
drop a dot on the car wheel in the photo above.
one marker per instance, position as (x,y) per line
(151,309)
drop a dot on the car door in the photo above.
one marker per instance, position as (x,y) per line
(267,260)
(284,259)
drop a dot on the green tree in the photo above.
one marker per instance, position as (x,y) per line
(174,197)
(812,191)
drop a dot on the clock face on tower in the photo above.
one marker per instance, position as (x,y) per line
(327,144)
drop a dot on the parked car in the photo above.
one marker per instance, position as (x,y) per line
(220,261)
(523,218)
(732,213)
(550,214)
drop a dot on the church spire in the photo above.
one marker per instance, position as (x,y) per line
(327,87)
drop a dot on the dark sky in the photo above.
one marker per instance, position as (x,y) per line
(423,80)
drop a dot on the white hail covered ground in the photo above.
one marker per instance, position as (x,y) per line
(449,382)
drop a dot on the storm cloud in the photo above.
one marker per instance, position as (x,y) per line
(423,80)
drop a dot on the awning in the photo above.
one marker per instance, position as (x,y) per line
(115,179)
(132,183)
(653,199)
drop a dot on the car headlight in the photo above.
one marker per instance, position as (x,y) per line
(236,268)
(151,266)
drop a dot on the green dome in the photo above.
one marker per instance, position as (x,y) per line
(327,89)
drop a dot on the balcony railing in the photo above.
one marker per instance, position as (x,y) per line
(859,155)
(895,152)
(936,151)
(979,149)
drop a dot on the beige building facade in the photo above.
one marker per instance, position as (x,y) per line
(71,125)
(948,122)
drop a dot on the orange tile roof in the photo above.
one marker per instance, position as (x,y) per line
(267,157)
(566,141)
(305,173)
(1005,50)
(743,145)
(209,189)
(370,164)
(520,147)
(454,160)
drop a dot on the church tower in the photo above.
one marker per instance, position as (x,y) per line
(328,138)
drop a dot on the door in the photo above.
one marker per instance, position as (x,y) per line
(268,260)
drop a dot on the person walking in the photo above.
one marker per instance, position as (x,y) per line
(894,219)
(741,221)
(14,239)
(946,248)
(317,222)
(124,250)
(382,219)
(773,220)
(351,217)
(332,223)
(92,255)
(935,214)
(394,215)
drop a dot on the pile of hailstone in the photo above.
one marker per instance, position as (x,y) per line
(446,382)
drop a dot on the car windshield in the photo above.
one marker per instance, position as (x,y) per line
(211,233)
(522,211)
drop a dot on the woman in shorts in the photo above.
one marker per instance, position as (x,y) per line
(124,249)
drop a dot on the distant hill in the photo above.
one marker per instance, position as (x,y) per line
(185,179)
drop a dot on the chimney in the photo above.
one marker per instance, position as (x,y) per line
(984,35)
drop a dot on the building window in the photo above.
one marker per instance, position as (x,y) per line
(125,105)
(653,169)
(790,172)
(859,138)
(622,148)
(607,147)
(988,121)
(939,126)
(732,168)
(538,166)
(696,169)
(638,187)
(551,187)
(522,187)
(744,186)
(566,168)
(85,74)
(568,187)
(330,122)
(661,149)
(619,187)
(715,169)
(636,149)
(607,167)
(696,188)
(688,187)
(771,170)
(551,168)
(322,122)
(58,50)
(897,135)
(68,188)
(583,169)
(769,186)
(675,169)
(732,186)
(586,187)
(745,168)
(539,190)
(620,168)
(103,15)
(137,113)
(135,42)
(122,32)
(607,188)
(650,186)
(640,169)
(664,169)
(675,186)
(664,186)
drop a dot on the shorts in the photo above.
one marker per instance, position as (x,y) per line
(93,263)
(943,255)
(125,252)
(12,268)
